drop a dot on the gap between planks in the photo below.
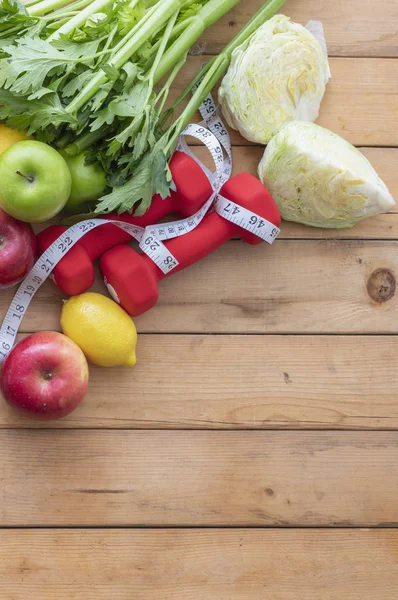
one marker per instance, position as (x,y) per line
(141,528)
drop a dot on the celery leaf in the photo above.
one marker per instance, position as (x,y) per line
(28,65)
(151,176)
(33,115)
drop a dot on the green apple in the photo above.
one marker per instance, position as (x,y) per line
(35,181)
(88,181)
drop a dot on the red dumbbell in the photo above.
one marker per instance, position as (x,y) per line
(132,278)
(74,274)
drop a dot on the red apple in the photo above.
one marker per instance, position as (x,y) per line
(18,250)
(45,375)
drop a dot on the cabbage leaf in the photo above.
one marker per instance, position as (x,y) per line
(317,178)
(279,74)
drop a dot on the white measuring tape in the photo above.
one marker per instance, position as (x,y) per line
(150,238)
(151,241)
(246,219)
(213,122)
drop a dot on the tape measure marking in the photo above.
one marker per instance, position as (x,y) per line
(151,243)
(210,116)
(242,217)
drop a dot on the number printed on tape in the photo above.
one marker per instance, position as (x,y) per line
(246,219)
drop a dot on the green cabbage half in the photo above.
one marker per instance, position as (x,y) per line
(319,179)
(279,74)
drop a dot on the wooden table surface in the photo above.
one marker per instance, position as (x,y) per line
(252,453)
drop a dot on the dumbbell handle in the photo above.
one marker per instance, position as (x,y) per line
(132,278)
(97,241)
(213,232)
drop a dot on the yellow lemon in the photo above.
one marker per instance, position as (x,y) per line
(102,329)
(8,137)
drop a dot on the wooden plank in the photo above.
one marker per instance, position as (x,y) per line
(198,478)
(199,565)
(290,287)
(359,104)
(357,87)
(232,382)
(351,28)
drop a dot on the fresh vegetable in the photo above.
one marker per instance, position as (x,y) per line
(35,181)
(88,181)
(83,77)
(319,179)
(45,376)
(18,249)
(279,74)
(101,328)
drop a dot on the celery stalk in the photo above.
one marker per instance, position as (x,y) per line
(82,17)
(30,2)
(135,29)
(84,141)
(210,79)
(69,10)
(164,11)
(209,14)
(178,29)
(162,46)
(41,8)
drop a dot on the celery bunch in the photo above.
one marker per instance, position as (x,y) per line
(81,76)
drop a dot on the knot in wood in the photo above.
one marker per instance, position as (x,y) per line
(381,285)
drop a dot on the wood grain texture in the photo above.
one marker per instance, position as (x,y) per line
(199,565)
(198,478)
(381,227)
(232,382)
(351,28)
(360,102)
(290,287)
